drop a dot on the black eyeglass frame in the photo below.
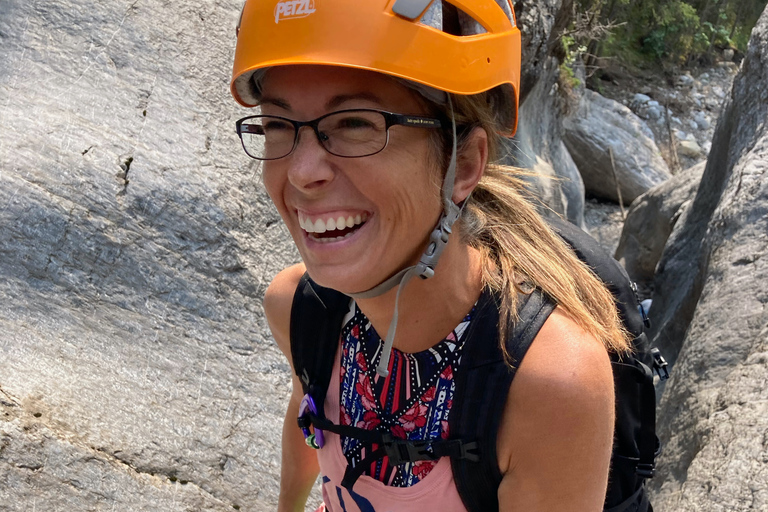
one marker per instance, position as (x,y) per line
(390,119)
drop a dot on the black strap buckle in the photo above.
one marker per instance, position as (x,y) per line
(659,364)
(646,470)
(470,451)
(401,451)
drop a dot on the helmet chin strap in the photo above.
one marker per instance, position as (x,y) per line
(425,268)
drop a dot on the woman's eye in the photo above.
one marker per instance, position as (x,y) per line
(275,125)
(353,123)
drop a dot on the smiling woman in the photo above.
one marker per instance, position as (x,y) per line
(379,156)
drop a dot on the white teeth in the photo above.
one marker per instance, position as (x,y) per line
(331,224)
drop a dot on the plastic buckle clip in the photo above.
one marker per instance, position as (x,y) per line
(659,364)
(470,451)
(401,451)
(646,470)
(316,440)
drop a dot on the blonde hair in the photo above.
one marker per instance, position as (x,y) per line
(519,250)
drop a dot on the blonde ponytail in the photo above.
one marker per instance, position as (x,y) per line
(519,249)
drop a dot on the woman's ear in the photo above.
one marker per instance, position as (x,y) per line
(470,164)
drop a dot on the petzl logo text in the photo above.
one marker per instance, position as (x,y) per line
(288,9)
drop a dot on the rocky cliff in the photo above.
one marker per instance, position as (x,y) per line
(711,294)
(136,370)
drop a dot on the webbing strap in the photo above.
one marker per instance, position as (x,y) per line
(483,380)
(647,443)
(401,451)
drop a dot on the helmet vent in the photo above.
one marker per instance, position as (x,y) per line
(448,18)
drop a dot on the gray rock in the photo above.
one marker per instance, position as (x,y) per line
(541,23)
(640,100)
(600,127)
(709,309)
(702,120)
(135,245)
(653,112)
(650,221)
(685,80)
(539,146)
(689,148)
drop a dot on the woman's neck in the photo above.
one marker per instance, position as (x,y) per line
(430,308)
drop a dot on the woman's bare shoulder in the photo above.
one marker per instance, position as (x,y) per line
(557,426)
(277,304)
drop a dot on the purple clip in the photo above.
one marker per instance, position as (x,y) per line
(316,440)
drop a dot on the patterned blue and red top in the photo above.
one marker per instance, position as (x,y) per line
(412,402)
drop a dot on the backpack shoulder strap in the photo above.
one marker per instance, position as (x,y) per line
(482,384)
(316,316)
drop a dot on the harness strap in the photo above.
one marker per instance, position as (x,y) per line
(399,451)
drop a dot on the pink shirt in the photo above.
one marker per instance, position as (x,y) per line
(435,492)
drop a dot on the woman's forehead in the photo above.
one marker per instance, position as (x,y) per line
(332,87)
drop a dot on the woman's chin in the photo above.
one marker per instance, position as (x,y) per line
(340,279)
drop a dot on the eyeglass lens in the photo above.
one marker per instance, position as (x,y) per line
(348,134)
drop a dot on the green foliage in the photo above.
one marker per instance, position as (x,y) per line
(665,31)
(572,50)
(676,33)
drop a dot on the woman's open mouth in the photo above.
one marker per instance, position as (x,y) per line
(332,228)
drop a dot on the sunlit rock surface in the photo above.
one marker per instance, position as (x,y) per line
(711,296)
(614,149)
(136,368)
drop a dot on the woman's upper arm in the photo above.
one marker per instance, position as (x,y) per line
(278,300)
(556,436)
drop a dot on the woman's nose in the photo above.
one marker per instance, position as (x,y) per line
(309,165)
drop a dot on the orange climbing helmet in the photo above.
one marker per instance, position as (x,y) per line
(462,46)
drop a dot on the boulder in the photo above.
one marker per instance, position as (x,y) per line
(650,221)
(137,372)
(689,148)
(539,146)
(711,316)
(599,127)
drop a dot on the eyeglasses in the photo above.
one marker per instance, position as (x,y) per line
(346,133)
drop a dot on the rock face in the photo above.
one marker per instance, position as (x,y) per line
(650,221)
(136,369)
(714,414)
(540,147)
(599,127)
(541,22)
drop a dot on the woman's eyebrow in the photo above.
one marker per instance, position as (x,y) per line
(278,102)
(339,100)
(334,102)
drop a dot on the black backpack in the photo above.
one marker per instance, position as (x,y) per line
(482,381)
